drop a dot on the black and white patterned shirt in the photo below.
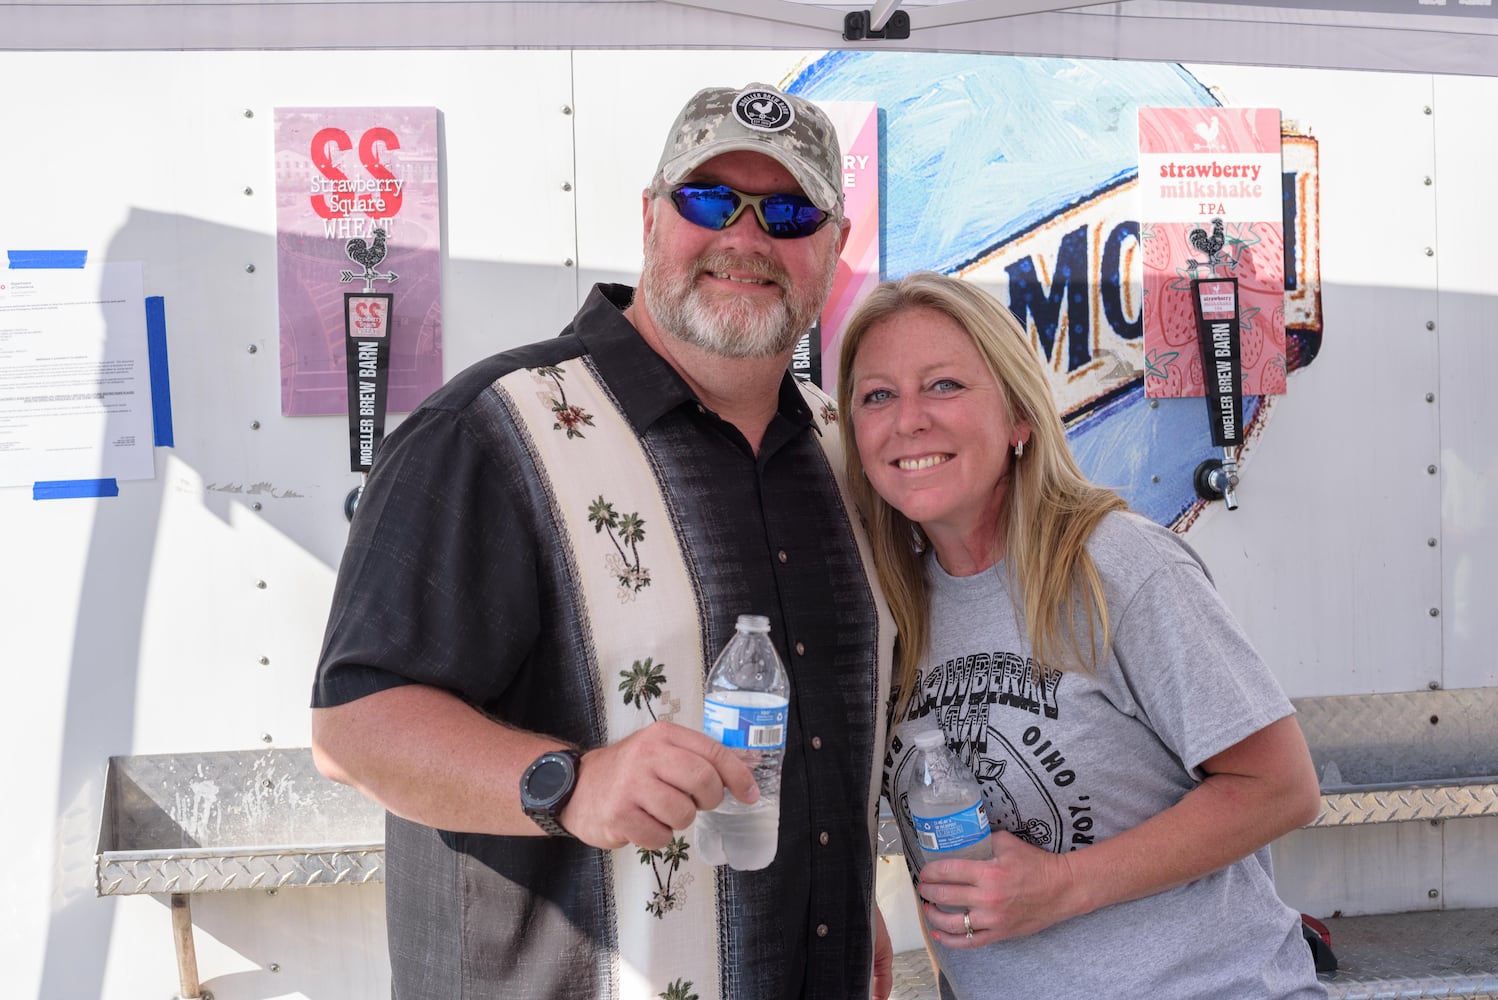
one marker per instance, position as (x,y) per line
(564,537)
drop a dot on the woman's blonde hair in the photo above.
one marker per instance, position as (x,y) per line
(1050,508)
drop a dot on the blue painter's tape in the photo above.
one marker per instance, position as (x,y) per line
(62,489)
(161,383)
(30,259)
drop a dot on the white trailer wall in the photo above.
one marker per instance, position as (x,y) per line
(137,624)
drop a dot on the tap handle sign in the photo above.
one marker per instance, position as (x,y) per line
(366,319)
(1215,301)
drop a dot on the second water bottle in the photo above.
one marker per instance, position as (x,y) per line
(946,804)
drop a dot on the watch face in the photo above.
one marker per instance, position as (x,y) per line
(545,788)
(550,777)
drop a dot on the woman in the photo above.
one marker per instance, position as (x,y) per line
(1135,754)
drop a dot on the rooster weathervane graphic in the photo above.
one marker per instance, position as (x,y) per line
(368,255)
(1210,245)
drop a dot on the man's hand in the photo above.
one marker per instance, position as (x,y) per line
(651,783)
(883,982)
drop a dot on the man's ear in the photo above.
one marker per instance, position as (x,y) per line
(647,212)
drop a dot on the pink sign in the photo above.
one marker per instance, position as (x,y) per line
(1210,185)
(357,210)
(857,125)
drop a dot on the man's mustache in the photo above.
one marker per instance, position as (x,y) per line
(754,266)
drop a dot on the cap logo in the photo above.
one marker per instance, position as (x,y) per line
(763,111)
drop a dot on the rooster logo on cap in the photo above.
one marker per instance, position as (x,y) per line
(764,111)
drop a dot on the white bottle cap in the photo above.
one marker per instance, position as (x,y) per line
(928,738)
(753,623)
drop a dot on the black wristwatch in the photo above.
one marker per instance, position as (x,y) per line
(546,786)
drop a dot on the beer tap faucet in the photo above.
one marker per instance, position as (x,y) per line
(1217,478)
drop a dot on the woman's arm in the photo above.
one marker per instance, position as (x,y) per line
(1260,788)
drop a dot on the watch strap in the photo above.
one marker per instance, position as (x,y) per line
(548,825)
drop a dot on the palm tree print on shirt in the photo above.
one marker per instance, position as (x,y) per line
(643,682)
(666,896)
(570,417)
(679,990)
(628,529)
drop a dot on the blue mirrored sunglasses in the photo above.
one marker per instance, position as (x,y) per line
(716,206)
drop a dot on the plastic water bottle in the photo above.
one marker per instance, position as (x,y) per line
(744,707)
(946,805)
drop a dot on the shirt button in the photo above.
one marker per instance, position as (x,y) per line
(816,742)
(823,838)
(782,556)
(800,649)
(822,930)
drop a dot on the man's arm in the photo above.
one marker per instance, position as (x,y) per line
(427,756)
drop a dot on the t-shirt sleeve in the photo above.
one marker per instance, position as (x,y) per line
(437,582)
(1189,665)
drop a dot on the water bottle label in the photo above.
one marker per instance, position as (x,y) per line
(748,727)
(949,833)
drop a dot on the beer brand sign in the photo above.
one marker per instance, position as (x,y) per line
(357,204)
(1211,207)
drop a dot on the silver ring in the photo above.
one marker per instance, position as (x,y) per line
(967,921)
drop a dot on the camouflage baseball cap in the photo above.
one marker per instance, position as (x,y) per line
(757,119)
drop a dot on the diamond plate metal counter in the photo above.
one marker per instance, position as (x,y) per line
(128,872)
(914,978)
(1391,758)
(1396,805)
(1411,956)
(1409,737)
(218,822)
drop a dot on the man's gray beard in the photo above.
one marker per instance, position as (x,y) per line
(731,328)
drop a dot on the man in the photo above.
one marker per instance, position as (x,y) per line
(548,556)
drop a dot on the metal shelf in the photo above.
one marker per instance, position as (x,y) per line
(217,822)
(1452,954)
(1397,805)
(179,824)
(123,873)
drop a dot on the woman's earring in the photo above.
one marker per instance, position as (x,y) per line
(1019,449)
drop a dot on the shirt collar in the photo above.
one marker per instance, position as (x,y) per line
(643,382)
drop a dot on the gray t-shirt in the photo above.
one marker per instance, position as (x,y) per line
(1071,758)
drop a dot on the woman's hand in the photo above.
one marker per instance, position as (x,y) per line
(1023,889)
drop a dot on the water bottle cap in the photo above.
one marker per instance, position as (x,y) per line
(926,739)
(753,623)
